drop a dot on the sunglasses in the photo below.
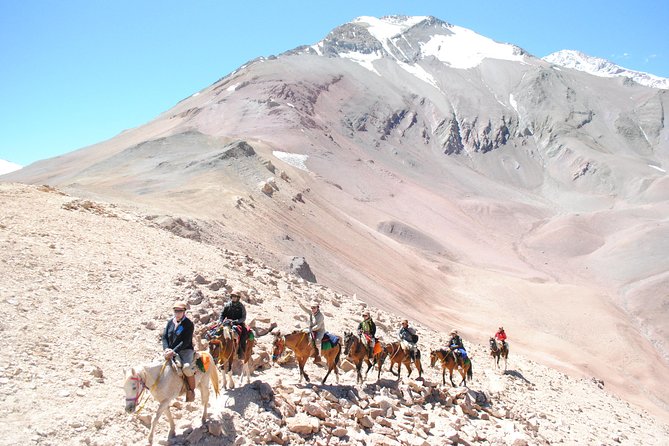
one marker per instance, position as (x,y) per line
(178,310)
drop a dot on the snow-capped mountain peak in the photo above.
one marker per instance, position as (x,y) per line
(603,68)
(409,40)
(6,167)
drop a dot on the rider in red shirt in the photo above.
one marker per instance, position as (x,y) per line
(501,336)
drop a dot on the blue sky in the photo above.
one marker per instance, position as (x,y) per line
(77,72)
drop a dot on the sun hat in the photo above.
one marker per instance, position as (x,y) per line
(180,305)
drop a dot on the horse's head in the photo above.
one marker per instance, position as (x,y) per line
(215,348)
(278,346)
(434,355)
(133,386)
(348,341)
(493,344)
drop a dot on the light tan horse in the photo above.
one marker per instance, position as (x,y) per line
(300,343)
(397,355)
(499,350)
(356,351)
(223,348)
(450,361)
(165,384)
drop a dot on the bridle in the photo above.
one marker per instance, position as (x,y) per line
(280,346)
(140,389)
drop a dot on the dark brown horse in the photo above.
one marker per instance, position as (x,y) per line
(300,343)
(499,350)
(356,351)
(397,355)
(450,361)
(223,347)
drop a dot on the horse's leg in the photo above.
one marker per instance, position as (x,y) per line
(358,369)
(336,369)
(443,374)
(450,376)
(301,362)
(161,408)
(230,361)
(204,393)
(419,367)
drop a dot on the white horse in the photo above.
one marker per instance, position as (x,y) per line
(165,384)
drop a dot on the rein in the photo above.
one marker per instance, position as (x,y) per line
(143,385)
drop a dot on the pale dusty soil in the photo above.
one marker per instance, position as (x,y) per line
(87,288)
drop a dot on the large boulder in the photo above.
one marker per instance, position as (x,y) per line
(300,267)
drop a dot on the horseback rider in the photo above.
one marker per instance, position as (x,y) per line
(234,316)
(408,339)
(316,328)
(178,345)
(456,345)
(500,336)
(366,331)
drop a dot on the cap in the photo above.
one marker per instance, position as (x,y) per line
(454,332)
(180,305)
(315,304)
(235,293)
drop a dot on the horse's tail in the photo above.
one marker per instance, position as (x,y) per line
(213,373)
(336,361)
(470,372)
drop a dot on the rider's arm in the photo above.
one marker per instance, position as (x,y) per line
(164,338)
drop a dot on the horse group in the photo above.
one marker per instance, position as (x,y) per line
(165,383)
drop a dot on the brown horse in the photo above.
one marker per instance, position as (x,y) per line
(223,347)
(397,355)
(356,351)
(497,351)
(450,361)
(300,343)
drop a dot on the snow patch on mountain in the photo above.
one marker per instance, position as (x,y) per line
(294,159)
(7,166)
(603,68)
(465,49)
(364,60)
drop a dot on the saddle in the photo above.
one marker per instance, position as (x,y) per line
(329,341)
(198,360)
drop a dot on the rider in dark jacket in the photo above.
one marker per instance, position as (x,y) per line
(455,344)
(234,315)
(178,341)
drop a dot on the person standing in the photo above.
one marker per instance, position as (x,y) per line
(177,342)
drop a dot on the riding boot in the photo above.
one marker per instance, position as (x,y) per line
(242,344)
(190,391)
(316,356)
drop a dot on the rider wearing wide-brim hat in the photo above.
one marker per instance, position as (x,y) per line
(456,340)
(316,327)
(177,342)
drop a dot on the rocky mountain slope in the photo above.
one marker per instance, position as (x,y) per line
(434,173)
(83,304)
